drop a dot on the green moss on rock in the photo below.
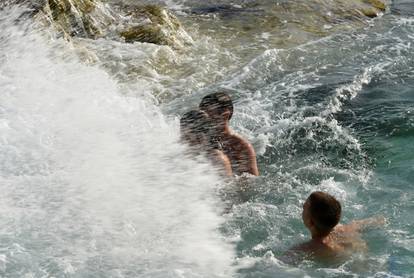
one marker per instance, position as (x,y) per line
(149,34)
(370,12)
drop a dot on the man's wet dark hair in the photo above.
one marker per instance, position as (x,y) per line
(325,211)
(217,101)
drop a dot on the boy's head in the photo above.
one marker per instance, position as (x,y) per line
(195,126)
(321,212)
(218,106)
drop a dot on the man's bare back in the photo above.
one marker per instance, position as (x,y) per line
(240,153)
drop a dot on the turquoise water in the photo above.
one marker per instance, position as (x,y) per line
(95,182)
(341,121)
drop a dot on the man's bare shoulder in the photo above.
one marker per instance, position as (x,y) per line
(241,153)
(238,140)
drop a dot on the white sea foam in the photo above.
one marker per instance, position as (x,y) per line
(95,183)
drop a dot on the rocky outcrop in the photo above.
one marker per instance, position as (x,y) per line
(155,24)
(74,18)
(94,19)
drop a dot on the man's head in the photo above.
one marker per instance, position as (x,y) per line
(218,106)
(195,126)
(321,212)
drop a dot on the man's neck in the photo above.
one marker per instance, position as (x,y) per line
(224,130)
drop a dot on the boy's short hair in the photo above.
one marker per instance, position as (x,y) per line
(325,211)
(196,121)
(217,101)
(199,124)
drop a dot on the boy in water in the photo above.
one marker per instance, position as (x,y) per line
(195,128)
(330,240)
(219,107)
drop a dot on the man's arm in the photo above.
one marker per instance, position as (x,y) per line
(223,162)
(249,163)
(252,162)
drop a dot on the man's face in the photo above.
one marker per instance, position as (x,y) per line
(218,114)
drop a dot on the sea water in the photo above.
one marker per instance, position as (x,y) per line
(95,182)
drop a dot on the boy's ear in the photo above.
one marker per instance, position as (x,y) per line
(311,223)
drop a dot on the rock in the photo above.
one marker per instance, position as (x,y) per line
(146,33)
(370,12)
(158,26)
(76,17)
(378,4)
(372,8)
(92,19)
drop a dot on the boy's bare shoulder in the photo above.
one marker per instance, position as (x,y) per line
(311,250)
(347,238)
(357,226)
(304,247)
(372,222)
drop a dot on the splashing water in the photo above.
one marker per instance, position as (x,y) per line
(94,183)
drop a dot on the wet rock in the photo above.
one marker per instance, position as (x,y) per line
(226,10)
(374,8)
(93,19)
(285,23)
(76,18)
(378,4)
(158,26)
(370,12)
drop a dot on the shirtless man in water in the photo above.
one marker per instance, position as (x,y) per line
(331,240)
(240,152)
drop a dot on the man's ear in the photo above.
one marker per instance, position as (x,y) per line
(227,114)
